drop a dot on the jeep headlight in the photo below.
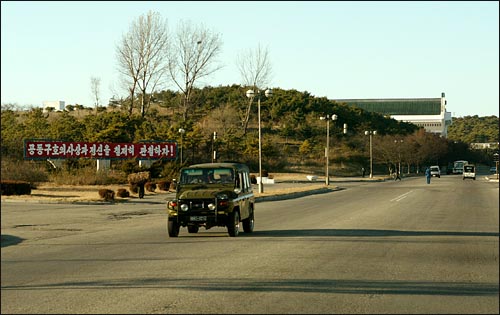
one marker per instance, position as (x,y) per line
(222,196)
(184,207)
(211,206)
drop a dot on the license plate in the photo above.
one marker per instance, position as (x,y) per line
(198,218)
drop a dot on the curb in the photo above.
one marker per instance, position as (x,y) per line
(297,194)
(292,195)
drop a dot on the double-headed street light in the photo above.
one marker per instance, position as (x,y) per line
(327,149)
(371,133)
(250,95)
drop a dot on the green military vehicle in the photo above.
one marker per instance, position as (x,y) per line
(212,194)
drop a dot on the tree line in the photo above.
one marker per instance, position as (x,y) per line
(294,137)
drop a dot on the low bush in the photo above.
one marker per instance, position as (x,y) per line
(107,194)
(150,186)
(29,171)
(122,193)
(134,188)
(173,185)
(164,185)
(253,179)
(15,187)
(88,176)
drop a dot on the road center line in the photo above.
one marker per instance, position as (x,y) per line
(401,197)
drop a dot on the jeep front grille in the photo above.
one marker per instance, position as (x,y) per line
(197,205)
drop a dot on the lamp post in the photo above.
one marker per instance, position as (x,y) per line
(250,94)
(181,131)
(371,133)
(214,153)
(327,149)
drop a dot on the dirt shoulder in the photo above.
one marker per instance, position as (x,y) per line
(285,183)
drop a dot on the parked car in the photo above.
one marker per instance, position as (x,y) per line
(469,171)
(435,171)
(493,170)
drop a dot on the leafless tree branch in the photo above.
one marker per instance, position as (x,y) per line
(193,57)
(255,69)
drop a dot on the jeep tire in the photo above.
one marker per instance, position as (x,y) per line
(233,224)
(173,228)
(248,223)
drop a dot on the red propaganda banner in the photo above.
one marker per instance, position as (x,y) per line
(49,149)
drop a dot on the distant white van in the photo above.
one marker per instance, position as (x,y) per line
(469,171)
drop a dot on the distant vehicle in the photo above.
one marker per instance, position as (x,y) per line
(469,172)
(435,171)
(493,169)
(458,166)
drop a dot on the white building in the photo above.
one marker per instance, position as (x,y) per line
(57,105)
(429,113)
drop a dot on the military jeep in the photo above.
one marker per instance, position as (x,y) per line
(212,194)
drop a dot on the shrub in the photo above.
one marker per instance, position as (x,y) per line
(29,171)
(173,185)
(107,194)
(253,179)
(88,176)
(15,187)
(150,186)
(164,185)
(122,193)
(134,188)
(139,178)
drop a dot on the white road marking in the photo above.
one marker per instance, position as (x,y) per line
(401,197)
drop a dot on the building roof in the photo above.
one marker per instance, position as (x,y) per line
(397,106)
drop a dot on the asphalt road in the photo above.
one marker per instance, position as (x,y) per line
(374,247)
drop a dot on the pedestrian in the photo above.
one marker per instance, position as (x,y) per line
(397,175)
(141,190)
(363,170)
(428,175)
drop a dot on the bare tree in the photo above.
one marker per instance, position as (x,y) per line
(95,88)
(142,57)
(193,56)
(255,70)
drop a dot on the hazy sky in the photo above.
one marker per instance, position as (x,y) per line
(338,50)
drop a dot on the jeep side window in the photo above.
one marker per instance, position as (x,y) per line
(247,182)
(241,179)
(238,181)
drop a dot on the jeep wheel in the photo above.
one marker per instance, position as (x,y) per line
(248,223)
(173,228)
(233,226)
(193,228)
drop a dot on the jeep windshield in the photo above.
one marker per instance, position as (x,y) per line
(207,176)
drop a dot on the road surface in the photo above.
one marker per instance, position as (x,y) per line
(373,247)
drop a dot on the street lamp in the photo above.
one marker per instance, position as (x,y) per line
(181,131)
(371,133)
(214,153)
(250,94)
(327,150)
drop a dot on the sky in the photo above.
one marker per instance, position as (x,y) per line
(50,50)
